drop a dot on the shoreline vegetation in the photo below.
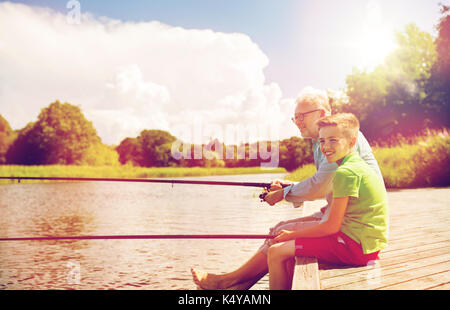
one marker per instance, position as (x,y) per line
(413,162)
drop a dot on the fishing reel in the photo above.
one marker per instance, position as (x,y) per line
(263,195)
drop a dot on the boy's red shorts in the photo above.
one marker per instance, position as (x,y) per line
(336,249)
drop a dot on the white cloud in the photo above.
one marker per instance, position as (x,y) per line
(127,76)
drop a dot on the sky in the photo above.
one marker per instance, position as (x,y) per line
(196,68)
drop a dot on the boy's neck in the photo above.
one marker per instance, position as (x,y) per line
(339,161)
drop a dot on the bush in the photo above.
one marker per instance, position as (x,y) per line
(395,165)
(302,173)
(433,162)
(426,162)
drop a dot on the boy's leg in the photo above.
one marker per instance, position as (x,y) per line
(279,277)
(295,224)
(281,257)
(253,270)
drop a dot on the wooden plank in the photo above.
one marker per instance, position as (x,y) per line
(444,286)
(306,274)
(414,274)
(417,237)
(306,269)
(386,268)
(393,262)
(391,258)
(443,244)
(383,277)
(419,226)
(421,283)
(412,244)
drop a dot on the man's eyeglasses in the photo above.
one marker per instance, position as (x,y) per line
(301,116)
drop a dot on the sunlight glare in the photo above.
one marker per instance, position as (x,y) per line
(374,47)
(377,38)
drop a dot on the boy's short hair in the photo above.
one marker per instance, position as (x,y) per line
(347,122)
(314,97)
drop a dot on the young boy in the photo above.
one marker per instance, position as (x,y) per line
(356,229)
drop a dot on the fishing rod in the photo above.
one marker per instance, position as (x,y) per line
(262,196)
(139,237)
(172,181)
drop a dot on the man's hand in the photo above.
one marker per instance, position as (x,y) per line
(278,184)
(273,197)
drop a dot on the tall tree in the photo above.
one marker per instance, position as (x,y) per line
(409,68)
(438,86)
(129,151)
(391,98)
(295,152)
(61,135)
(155,148)
(152,148)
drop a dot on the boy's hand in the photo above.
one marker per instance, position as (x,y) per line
(274,197)
(284,235)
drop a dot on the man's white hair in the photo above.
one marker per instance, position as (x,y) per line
(314,96)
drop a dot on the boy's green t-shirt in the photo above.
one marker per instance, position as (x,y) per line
(366,216)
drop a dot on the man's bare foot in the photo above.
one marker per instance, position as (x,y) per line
(206,281)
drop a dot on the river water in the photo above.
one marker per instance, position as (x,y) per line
(110,208)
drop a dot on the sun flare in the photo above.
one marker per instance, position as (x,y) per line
(374,47)
(377,37)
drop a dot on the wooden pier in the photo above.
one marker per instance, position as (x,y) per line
(417,256)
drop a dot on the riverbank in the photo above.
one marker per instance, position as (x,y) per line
(124,171)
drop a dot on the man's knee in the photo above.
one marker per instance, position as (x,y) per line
(273,253)
(275,229)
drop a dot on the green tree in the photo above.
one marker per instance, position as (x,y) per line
(366,92)
(152,148)
(61,135)
(7,136)
(409,70)
(129,151)
(391,98)
(438,85)
(295,152)
(99,154)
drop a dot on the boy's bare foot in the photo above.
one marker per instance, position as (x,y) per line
(206,281)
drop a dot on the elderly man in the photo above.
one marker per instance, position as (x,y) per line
(311,105)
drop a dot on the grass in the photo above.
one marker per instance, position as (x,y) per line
(125,171)
(426,163)
(423,161)
(302,173)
